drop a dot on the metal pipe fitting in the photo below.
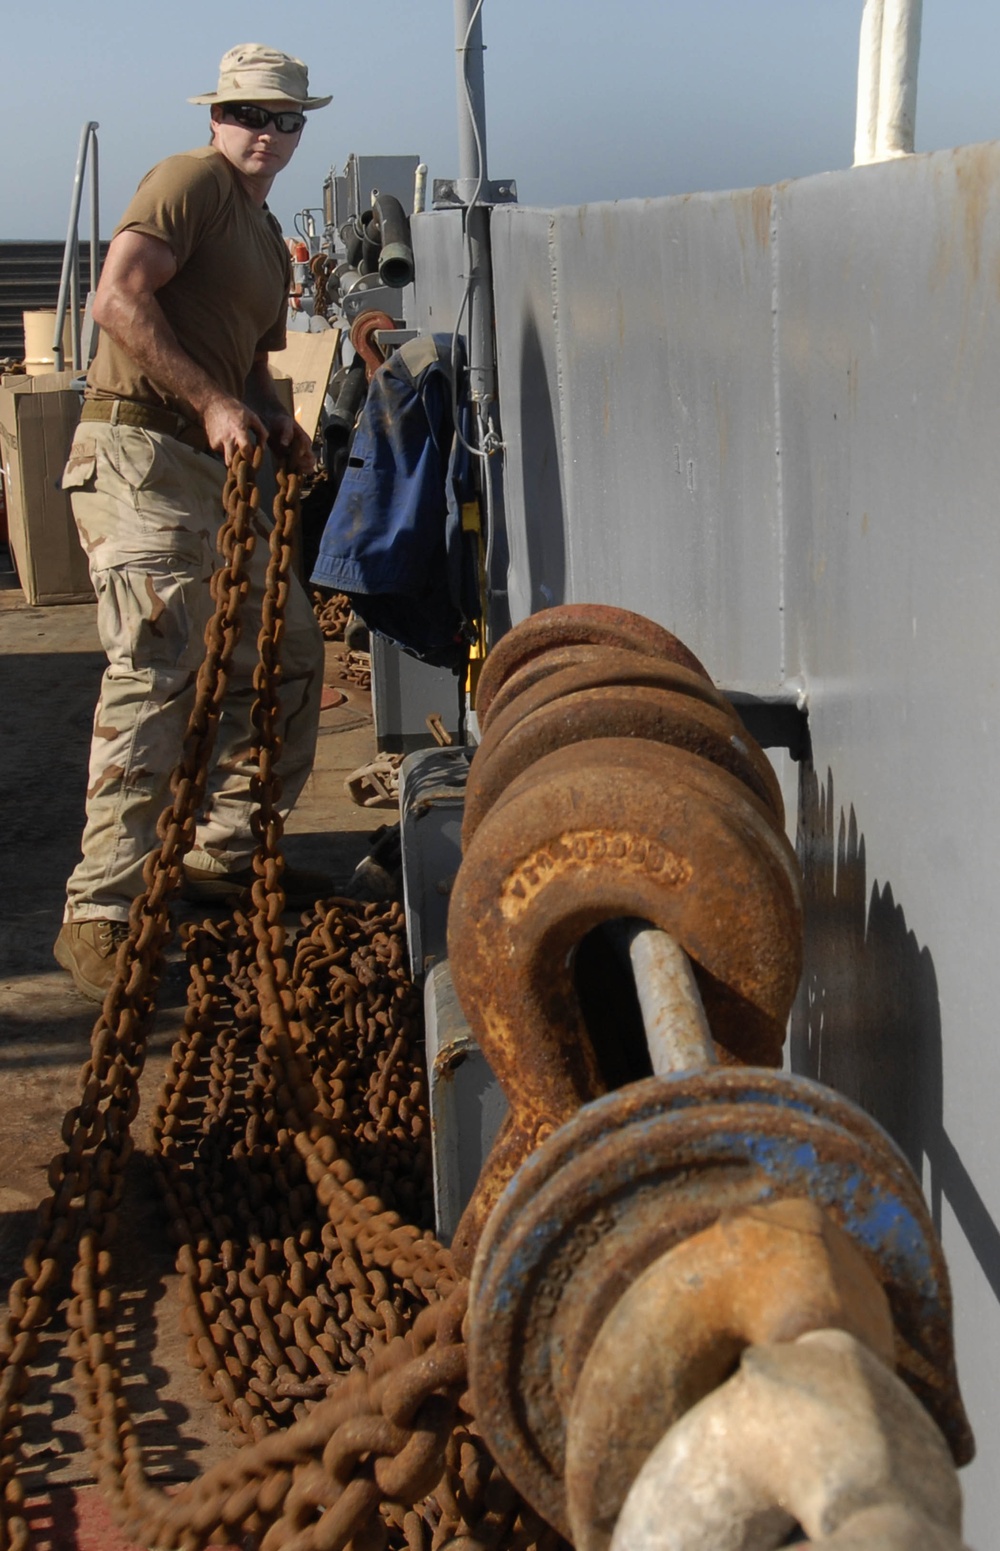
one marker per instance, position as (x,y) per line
(390,223)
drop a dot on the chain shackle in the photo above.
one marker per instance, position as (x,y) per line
(816,1434)
(761,1275)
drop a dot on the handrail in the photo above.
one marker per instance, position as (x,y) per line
(69,280)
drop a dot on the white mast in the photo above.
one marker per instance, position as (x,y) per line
(887,80)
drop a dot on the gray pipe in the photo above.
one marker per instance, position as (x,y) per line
(472,179)
(70,259)
(395,263)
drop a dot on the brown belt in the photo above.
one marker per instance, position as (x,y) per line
(149,417)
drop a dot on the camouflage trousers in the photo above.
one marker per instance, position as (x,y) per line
(148,510)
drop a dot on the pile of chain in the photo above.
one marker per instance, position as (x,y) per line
(291,1141)
(356,669)
(332,612)
(376,784)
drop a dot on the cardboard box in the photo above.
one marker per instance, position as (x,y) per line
(283,388)
(308,360)
(38,416)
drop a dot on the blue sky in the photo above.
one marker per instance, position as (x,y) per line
(586,99)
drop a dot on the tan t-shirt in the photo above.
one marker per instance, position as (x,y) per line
(228,298)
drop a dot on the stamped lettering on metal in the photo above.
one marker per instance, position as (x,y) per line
(584,848)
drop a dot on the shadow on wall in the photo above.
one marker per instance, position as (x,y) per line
(545,536)
(867,1019)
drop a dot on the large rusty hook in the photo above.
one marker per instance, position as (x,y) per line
(628,829)
(578,623)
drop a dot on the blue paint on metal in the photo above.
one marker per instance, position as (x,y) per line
(871,1210)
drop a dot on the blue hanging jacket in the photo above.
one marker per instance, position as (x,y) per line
(393,540)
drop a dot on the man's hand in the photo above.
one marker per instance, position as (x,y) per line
(288,437)
(229,425)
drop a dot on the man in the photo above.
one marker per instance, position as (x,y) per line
(192,297)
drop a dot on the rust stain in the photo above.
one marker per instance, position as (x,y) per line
(761,203)
(975,176)
(740,202)
(865,524)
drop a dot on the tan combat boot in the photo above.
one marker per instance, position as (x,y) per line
(89,950)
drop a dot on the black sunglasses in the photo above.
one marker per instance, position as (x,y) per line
(249,116)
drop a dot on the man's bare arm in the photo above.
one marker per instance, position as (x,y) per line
(125,306)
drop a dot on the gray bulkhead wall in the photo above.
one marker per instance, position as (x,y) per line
(771,421)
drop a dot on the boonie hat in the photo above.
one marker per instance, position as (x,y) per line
(252,72)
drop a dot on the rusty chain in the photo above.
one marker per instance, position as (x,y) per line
(332,614)
(85,1180)
(321,269)
(297,1081)
(356,668)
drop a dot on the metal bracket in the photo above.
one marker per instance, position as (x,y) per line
(446,195)
(372,298)
(389,340)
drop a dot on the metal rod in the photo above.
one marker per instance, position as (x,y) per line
(88,132)
(470,81)
(677,1032)
(420,189)
(95,213)
(472,181)
(74,302)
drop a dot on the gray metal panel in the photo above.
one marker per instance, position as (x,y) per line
(439,266)
(889,333)
(662,351)
(389,174)
(431,803)
(466,1104)
(404,693)
(826,359)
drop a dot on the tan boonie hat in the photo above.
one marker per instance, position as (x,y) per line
(252,72)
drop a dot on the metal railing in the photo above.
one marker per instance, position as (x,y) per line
(69,281)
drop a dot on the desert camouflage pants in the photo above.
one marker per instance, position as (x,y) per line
(148,510)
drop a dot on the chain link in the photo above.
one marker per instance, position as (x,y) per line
(332,614)
(320,1308)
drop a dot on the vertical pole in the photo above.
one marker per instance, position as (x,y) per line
(472,165)
(471,89)
(887,80)
(897,87)
(74,303)
(70,255)
(869,69)
(95,213)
